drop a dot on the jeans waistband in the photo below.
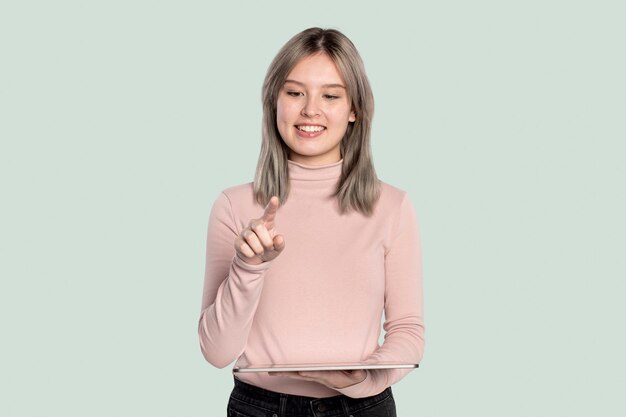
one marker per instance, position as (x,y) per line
(293,405)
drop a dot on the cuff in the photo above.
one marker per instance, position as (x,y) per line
(249,267)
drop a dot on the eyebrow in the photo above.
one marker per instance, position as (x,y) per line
(324,86)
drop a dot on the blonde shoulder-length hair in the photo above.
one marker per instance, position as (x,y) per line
(358,188)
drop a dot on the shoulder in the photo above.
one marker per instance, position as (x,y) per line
(391,198)
(395,204)
(239,193)
(238,203)
(234,196)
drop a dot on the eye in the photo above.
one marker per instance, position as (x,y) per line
(294,93)
(330,97)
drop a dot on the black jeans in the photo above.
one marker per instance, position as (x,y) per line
(250,401)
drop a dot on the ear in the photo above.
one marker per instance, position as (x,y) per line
(352,117)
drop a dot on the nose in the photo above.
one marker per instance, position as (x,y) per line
(310,108)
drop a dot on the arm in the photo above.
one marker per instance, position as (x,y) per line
(232,289)
(404,324)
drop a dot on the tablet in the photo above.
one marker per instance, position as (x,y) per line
(346,366)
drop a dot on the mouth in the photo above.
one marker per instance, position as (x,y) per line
(310,128)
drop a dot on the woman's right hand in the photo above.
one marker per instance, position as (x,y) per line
(259,242)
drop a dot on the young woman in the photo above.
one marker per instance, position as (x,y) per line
(302,262)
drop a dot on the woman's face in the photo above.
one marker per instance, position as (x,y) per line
(313,111)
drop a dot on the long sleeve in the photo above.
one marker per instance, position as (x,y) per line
(321,300)
(232,290)
(404,324)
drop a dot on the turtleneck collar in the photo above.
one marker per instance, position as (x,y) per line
(298,171)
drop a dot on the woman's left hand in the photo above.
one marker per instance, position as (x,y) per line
(332,379)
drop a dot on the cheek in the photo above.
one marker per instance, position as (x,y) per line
(340,114)
(282,113)
(282,120)
(341,118)
(279,111)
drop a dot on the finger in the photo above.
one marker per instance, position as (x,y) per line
(320,375)
(262,233)
(279,243)
(253,241)
(332,379)
(275,373)
(288,374)
(270,210)
(294,375)
(243,248)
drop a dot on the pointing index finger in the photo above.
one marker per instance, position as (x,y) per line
(270,210)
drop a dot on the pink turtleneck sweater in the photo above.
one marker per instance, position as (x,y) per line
(322,299)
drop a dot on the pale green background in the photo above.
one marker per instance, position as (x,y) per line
(122,120)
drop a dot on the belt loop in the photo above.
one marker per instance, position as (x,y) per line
(283,405)
(344,405)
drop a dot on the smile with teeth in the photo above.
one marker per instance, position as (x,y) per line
(307,128)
